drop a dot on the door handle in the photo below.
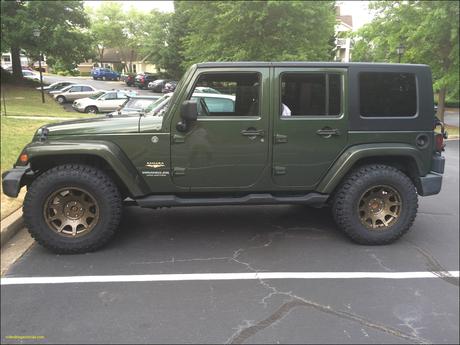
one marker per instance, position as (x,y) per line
(250,132)
(327,132)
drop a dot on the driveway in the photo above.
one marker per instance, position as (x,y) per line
(253,274)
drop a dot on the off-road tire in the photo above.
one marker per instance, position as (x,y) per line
(61,99)
(80,176)
(91,110)
(347,196)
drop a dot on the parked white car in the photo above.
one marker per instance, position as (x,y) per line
(102,102)
(30,75)
(73,92)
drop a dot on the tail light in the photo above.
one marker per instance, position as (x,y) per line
(439,142)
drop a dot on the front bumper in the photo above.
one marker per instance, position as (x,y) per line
(13,180)
(430,184)
(78,108)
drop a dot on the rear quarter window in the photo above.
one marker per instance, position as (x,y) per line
(387,94)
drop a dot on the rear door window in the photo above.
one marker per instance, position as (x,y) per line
(310,94)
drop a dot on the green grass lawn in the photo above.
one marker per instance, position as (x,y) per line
(15,134)
(24,100)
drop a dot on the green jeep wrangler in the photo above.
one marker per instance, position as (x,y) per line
(358,137)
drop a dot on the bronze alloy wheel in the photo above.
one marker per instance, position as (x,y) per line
(71,212)
(379,207)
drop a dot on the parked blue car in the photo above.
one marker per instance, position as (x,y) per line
(104,74)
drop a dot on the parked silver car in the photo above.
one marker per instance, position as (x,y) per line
(73,92)
(102,102)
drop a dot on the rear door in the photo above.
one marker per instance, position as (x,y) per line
(310,123)
(87,91)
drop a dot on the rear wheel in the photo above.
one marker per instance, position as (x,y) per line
(60,99)
(376,204)
(72,208)
(104,78)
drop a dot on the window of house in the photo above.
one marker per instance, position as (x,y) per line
(311,94)
(387,94)
(134,68)
(6,58)
(240,94)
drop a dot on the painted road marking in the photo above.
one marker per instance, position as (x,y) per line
(223,276)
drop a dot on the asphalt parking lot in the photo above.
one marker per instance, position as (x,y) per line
(99,84)
(329,297)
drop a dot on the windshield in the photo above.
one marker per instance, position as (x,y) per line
(139,103)
(159,107)
(97,95)
(65,88)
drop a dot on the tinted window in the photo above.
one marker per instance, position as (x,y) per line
(242,89)
(110,95)
(75,89)
(87,88)
(310,94)
(387,94)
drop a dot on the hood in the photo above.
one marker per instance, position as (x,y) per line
(95,126)
(84,100)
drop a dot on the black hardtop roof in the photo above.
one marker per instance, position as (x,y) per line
(303,64)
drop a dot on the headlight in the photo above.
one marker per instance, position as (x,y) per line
(42,133)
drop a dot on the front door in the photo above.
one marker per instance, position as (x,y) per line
(227,147)
(310,124)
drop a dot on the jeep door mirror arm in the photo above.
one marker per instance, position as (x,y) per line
(189,114)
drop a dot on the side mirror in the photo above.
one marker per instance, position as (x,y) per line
(188,113)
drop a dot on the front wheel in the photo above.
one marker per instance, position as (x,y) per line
(376,204)
(91,110)
(60,99)
(72,208)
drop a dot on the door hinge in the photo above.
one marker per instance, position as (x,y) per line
(178,171)
(178,139)
(277,170)
(280,138)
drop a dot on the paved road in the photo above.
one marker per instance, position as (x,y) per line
(451,117)
(244,240)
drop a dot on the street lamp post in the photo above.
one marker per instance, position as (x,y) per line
(400,50)
(36,33)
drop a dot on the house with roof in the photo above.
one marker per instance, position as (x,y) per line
(123,60)
(344,25)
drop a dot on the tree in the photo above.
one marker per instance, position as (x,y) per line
(429,30)
(62,30)
(258,30)
(108,27)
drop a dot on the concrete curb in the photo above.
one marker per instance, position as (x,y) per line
(10,226)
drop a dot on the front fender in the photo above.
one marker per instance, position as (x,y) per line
(355,153)
(107,151)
